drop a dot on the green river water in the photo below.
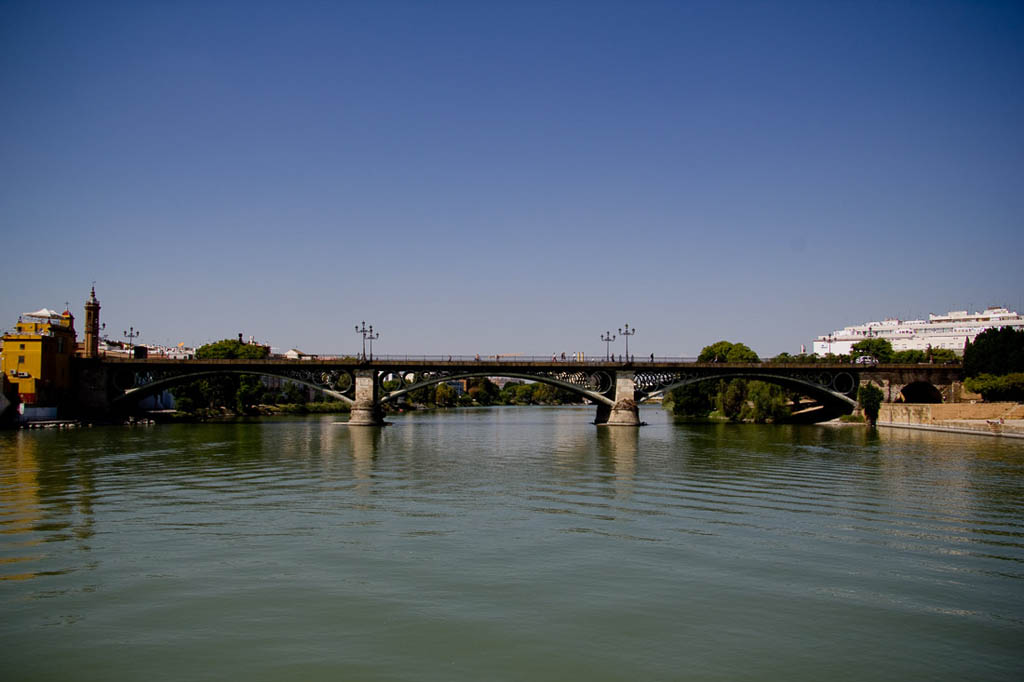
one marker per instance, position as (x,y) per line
(509,544)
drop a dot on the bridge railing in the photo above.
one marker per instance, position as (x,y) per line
(511,359)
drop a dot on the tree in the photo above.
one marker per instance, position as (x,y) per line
(445,395)
(249,393)
(996,388)
(716,352)
(802,358)
(870,398)
(909,356)
(732,399)
(231,349)
(765,402)
(995,351)
(509,394)
(879,349)
(483,391)
(523,393)
(942,355)
(293,393)
(231,391)
(543,393)
(695,400)
(726,351)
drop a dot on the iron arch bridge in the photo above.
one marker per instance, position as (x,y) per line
(831,386)
(335,384)
(134,382)
(616,388)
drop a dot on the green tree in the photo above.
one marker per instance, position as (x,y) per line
(732,399)
(716,352)
(293,393)
(765,402)
(995,351)
(524,394)
(231,349)
(909,356)
(445,395)
(231,391)
(942,355)
(726,351)
(695,400)
(879,349)
(507,396)
(544,394)
(996,388)
(870,398)
(483,391)
(250,393)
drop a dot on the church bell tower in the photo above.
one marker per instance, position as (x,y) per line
(92,325)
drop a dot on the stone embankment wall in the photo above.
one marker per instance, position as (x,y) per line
(1001,419)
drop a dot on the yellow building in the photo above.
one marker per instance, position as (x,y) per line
(37,356)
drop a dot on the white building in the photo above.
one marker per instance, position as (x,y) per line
(950,331)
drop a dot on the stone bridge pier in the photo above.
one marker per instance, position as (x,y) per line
(366,410)
(625,411)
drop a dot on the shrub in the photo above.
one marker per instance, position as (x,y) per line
(870,398)
(996,388)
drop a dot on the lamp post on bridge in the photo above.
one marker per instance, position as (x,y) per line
(131,334)
(627,333)
(607,337)
(367,335)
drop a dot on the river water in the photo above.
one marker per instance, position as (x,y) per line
(510,544)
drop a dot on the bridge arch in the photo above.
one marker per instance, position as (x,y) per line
(138,392)
(809,388)
(595,396)
(920,392)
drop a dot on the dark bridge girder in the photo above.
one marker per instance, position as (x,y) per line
(807,387)
(593,395)
(156,386)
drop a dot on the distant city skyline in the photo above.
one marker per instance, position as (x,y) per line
(520,178)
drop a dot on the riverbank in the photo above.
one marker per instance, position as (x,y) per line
(987,419)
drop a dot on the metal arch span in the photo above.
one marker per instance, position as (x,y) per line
(812,389)
(541,378)
(141,391)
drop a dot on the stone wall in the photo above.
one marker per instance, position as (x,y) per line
(992,418)
(903,412)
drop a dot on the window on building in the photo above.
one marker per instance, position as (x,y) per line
(21,346)
(21,358)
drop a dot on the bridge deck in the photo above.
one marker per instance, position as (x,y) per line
(485,363)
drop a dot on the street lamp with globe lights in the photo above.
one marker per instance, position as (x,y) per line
(131,334)
(368,335)
(627,333)
(607,337)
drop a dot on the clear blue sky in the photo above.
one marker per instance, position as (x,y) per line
(510,177)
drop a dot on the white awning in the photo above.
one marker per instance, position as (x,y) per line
(42,312)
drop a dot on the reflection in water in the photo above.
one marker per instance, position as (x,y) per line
(46,498)
(511,535)
(618,446)
(363,442)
